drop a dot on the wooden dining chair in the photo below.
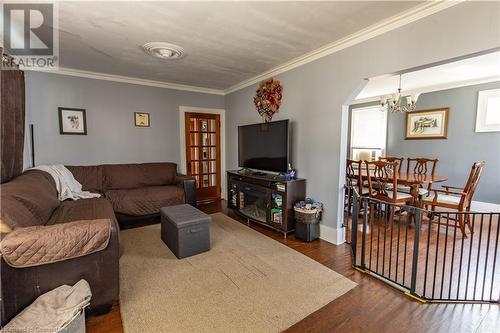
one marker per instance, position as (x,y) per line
(382,179)
(457,198)
(420,166)
(354,176)
(398,160)
(354,180)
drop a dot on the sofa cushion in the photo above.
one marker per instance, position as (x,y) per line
(145,200)
(83,209)
(28,200)
(130,176)
(89,176)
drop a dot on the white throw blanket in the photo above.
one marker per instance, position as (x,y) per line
(53,310)
(67,186)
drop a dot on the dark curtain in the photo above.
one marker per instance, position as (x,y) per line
(12,123)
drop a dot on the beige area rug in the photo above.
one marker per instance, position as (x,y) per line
(247,282)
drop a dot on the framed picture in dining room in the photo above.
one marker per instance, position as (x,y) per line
(427,124)
(72,121)
(141,119)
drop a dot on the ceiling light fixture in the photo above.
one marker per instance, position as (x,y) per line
(394,103)
(164,50)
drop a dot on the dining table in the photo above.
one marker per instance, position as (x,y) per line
(413,180)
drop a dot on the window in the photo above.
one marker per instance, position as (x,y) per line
(368,133)
(488,111)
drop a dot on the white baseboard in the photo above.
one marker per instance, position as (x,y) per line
(487,207)
(332,235)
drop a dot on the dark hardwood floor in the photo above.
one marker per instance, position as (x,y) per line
(372,306)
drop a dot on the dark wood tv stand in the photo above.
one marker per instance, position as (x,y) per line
(257,198)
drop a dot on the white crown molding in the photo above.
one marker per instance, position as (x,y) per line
(131,80)
(426,9)
(428,89)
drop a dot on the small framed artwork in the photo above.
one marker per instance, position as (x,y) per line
(141,119)
(427,124)
(72,121)
(488,111)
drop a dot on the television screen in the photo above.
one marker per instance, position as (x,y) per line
(264,146)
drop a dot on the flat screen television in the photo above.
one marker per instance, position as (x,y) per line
(264,146)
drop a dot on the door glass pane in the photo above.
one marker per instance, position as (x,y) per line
(212,139)
(195,139)
(195,153)
(205,181)
(213,152)
(195,167)
(205,152)
(204,125)
(212,125)
(205,139)
(213,166)
(192,124)
(213,180)
(204,167)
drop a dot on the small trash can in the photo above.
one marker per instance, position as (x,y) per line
(60,310)
(307,218)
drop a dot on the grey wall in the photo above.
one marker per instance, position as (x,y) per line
(112,136)
(463,146)
(314,93)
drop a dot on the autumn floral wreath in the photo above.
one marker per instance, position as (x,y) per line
(267,99)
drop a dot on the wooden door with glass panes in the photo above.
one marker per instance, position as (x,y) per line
(203,154)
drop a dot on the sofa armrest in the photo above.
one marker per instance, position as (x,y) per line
(189,185)
(21,286)
(40,245)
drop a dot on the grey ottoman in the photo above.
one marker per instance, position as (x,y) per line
(185,230)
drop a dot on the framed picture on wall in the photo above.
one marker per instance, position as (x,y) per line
(427,124)
(141,119)
(72,121)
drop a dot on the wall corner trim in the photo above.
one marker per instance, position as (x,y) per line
(413,14)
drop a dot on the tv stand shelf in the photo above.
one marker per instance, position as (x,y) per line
(265,199)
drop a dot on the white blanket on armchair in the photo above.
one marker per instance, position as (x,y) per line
(67,186)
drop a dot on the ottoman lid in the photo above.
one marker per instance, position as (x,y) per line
(184,215)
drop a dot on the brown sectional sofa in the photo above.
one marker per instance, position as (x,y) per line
(129,191)
(137,189)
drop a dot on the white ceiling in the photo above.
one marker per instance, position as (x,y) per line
(482,68)
(226,42)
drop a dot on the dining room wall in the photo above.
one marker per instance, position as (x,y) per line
(463,145)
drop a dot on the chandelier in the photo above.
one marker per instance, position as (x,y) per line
(394,103)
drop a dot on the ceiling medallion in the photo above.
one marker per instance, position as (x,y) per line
(164,50)
(395,104)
